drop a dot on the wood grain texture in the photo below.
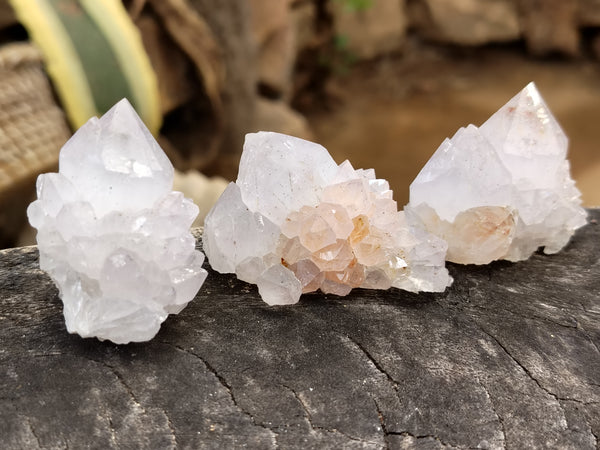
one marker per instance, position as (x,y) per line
(508,357)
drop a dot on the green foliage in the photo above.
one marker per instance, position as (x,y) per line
(356,5)
(339,58)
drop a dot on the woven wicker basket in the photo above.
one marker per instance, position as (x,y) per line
(32,129)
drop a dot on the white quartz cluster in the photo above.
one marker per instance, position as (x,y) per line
(295,222)
(112,235)
(502,190)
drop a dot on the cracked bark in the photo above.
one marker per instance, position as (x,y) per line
(373,361)
(530,375)
(426,436)
(498,416)
(589,337)
(113,435)
(227,388)
(387,433)
(314,427)
(381,416)
(171,427)
(508,357)
(518,363)
(302,405)
(122,382)
(37,439)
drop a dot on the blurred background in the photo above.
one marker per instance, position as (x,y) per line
(379,82)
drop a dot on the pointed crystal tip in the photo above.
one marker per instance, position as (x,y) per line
(116,162)
(505,186)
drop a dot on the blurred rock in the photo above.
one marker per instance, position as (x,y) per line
(273,30)
(7,15)
(375,29)
(171,65)
(202,190)
(595,46)
(196,143)
(27,236)
(304,18)
(276,115)
(466,22)
(228,71)
(589,13)
(550,26)
(587,182)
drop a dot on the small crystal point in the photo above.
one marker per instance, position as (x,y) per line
(296,222)
(500,191)
(112,235)
(116,163)
(293,171)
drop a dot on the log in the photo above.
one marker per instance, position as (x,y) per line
(508,357)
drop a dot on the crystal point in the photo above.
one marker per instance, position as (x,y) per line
(112,235)
(115,162)
(295,222)
(502,190)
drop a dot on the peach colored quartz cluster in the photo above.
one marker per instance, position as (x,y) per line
(346,241)
(502,190)
(296,222)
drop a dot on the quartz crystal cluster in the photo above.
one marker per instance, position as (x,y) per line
(502,190)
(295,222)
(112,235)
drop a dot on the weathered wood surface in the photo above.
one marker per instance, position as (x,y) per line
(508,357)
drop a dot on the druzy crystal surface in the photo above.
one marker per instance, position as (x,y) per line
(112,235)
(502,190)
(296,222)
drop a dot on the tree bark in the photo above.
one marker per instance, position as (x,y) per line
(508,357)
(229,20)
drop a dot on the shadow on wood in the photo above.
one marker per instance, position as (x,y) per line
(507,357)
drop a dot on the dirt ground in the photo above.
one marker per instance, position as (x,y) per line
(394,113)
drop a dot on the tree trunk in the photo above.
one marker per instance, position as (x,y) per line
(508,357)
(230,23)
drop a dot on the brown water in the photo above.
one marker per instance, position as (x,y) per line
(393,117)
